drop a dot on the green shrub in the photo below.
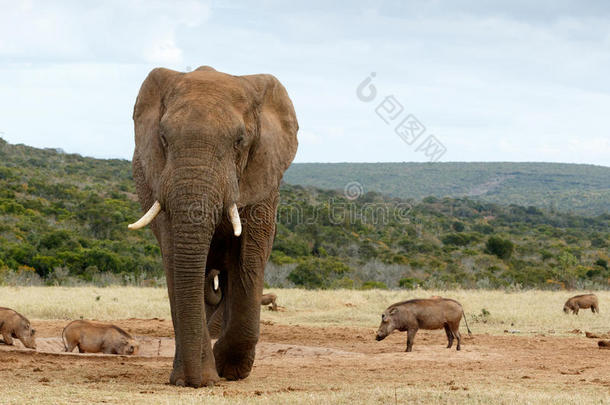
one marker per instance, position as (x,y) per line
(459,239)
(502,248)
(318,273)
(371,285)
(483,228)
(408,283)
(458,226)
(345,283)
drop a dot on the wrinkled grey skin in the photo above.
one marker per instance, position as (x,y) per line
(206,140)
(270,298)
(13,325)
(584,301)
(412,315)
(97,337)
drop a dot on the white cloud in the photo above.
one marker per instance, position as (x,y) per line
(164,52)
(486,79)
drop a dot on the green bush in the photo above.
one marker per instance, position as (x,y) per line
(371,285)
(502,248)
(458,226)
(459,239)
(318,273)
(483,228)
(408,283)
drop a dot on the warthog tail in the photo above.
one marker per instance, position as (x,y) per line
(466,322)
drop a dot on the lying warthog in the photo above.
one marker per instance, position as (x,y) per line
(15,325)
(583,301)
(435,313)
(96,337)
(270,298)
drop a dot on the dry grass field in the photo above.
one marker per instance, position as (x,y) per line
(320,348)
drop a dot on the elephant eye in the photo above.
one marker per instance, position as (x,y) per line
(163,140)
(239,141)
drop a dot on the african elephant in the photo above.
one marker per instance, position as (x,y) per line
(211,150)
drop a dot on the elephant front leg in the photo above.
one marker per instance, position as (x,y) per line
(234,351)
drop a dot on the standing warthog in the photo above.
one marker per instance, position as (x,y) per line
(96,337)
(583,301)
(435,313)
(15,325)
(270,298)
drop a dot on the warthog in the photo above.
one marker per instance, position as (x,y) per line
(15,325)
(270,298)
(432,313)
(584,301)
(96,337)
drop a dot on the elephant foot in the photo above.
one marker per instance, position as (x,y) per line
(209,377)
(233,365)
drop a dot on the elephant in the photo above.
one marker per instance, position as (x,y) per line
(210,152)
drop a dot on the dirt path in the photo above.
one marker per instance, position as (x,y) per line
(331,359)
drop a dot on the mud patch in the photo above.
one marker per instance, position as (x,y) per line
(165,347)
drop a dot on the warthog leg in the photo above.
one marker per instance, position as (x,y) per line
(449,336)
(410,338)
(456,332)
(8,339)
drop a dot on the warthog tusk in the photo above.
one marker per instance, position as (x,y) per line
(147,218)
(234,216)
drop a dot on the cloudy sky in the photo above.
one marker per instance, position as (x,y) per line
(527,81)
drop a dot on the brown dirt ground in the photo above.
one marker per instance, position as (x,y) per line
(295,358)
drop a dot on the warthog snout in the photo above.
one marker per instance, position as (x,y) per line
(385,328)
(30,341)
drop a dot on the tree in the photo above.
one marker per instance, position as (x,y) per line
(458,226)
(503,248)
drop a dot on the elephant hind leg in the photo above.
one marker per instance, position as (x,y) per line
(215,323)
(234,351)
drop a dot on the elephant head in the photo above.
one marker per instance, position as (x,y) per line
(211,147)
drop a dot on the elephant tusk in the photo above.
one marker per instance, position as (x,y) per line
(147,218)
(216,283)
(234,216)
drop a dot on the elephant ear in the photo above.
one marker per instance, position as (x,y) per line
(149,156)
(276,140)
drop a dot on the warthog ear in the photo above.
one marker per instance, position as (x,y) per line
(393,311)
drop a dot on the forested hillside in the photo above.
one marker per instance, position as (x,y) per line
(581,189)
(63,219)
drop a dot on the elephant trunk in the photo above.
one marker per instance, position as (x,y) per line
(195,214)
